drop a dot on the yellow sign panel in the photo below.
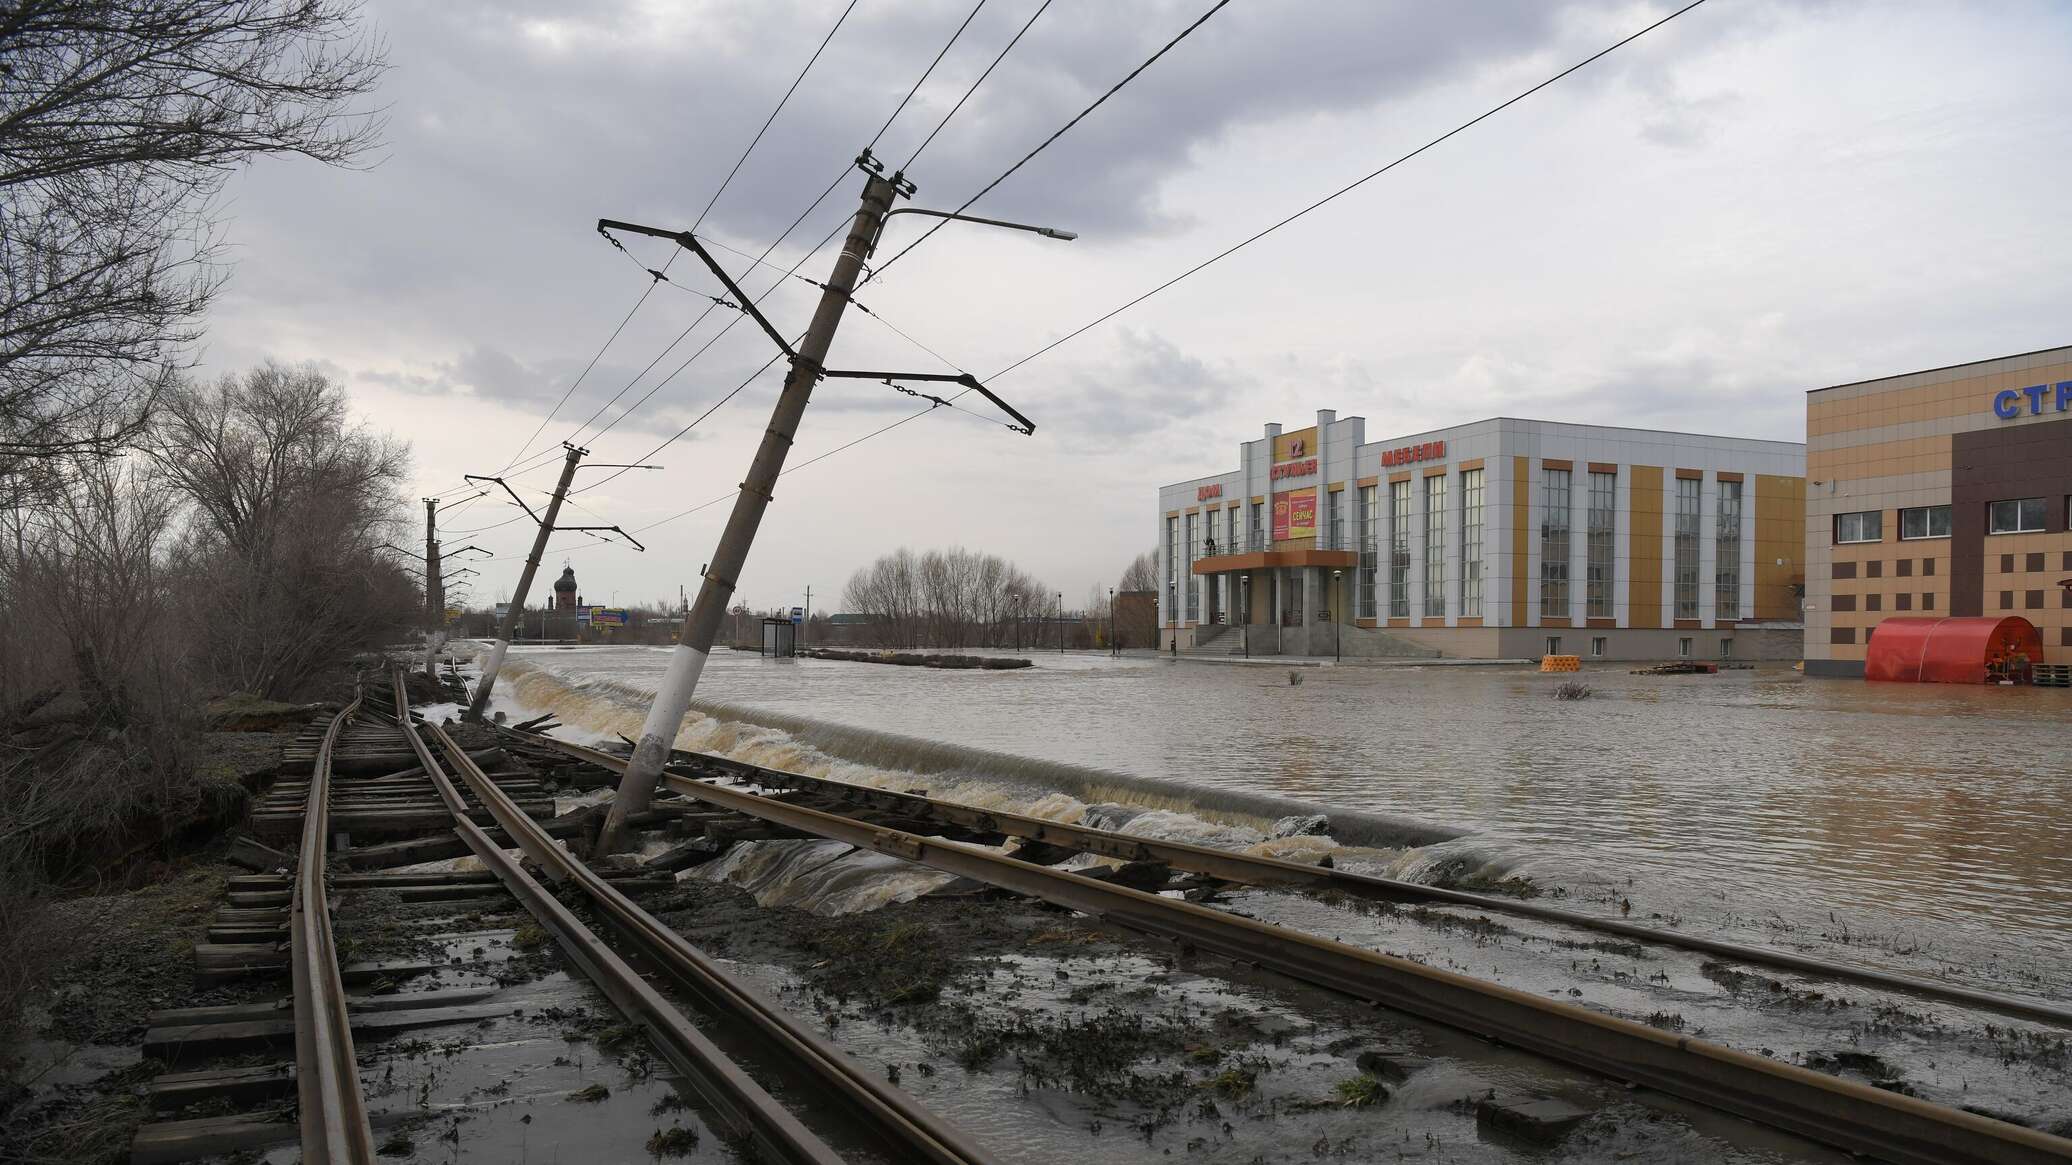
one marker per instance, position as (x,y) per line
(1296,445)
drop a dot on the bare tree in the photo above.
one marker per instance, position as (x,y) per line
(290,503)
(119,122)
(1141,574)
(943,598)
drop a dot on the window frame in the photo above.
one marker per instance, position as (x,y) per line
(1928,523)
(1600,547)
(1471,487)
(2042,517)
(1557,500)
(1877,536)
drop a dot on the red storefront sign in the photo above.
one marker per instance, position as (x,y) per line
(1428,451)
(1295,514)
(1294,469)
(1206,492)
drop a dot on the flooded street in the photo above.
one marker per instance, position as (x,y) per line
(1918,826)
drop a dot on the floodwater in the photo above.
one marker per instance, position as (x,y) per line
(1921,827)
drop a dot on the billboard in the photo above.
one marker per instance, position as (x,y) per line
(502,610)
(607,616)
(1295,514)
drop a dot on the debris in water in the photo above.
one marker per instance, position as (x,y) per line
(1572,690)
(590,1094)
(1295,679)
(1311,825)
(675,1141)
(1361,1091)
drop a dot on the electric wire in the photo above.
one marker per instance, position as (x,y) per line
(918,81)
(875,138)
(1341,191)
(1600,54)
(923,78)
(768,121)
(577,382)
(661,274)
(1046,143)
(974,86)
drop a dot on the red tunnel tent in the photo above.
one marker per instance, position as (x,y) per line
(1947,651)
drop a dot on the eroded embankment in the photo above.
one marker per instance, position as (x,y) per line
(606,709)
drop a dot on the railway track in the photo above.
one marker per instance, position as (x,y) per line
(906,1130)
(1257,870)
(1842,1113)
(330,1108)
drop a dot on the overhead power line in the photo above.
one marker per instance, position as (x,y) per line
(662,274)
(974,85)
(795,81)
(1341,191)
(839,178)
(923,78)
(1061,131)
(1600,54)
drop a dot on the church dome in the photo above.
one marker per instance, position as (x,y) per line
(566,584)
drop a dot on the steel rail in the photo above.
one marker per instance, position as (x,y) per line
(331,1110)
(1266,871)
(917,1133)
(1842,1113)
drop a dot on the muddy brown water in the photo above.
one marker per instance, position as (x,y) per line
(1918,824)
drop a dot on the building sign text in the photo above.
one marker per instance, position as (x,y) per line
(2007,403)
(1294,469)
(1208,491)
(1428,451)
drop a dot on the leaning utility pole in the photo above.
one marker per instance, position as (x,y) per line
(434,585)
(532,566)
(808,365)
(547,529)
(673,697)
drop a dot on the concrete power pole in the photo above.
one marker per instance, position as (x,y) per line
(673,697)
(532,565)
(434,584)
(434,591)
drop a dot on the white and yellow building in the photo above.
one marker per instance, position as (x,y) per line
(1502,538)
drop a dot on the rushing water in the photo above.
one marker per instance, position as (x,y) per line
(1925,822)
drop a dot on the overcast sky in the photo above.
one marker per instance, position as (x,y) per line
(1757,199)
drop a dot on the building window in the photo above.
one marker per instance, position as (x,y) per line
(1683,647)
(1172,571)
(1471,543)
(1863,526)
(1399,550)
(1553,645)
(1687,549)
(1257,540)
(1726,647)
(1925,522)
(2020,516)
(1231,544)
(1435,545)
(1554,503)
(1726,564)
(1370,557)
(1597,646)
(1604,500)
(1193,580)
(1337,509)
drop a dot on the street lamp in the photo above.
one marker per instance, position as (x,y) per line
(1337,632)
(1114,645)
(1014,608)
(1057,611)
(1245,587)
